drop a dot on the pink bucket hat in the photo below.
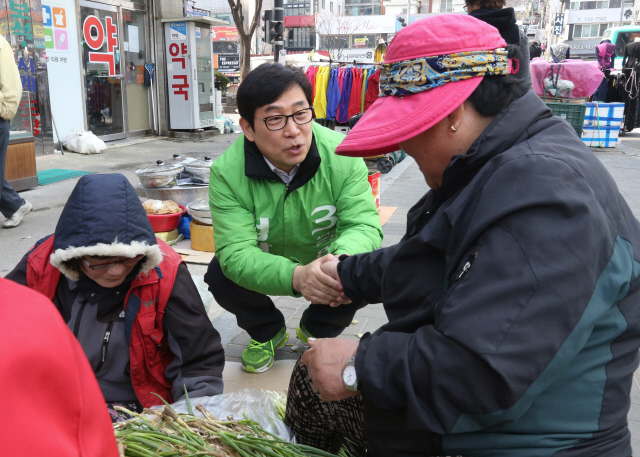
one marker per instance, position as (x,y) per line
(408,107)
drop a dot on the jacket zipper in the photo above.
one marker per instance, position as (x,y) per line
(76,327)
(457,277)
(105,345)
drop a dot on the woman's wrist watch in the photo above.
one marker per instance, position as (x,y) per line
(349,376)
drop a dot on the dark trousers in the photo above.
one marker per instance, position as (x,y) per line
(10,201)
(256,313)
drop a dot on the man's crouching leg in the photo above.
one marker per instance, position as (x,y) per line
(326,426)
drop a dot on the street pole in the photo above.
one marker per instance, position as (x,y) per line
(278,18)
(408,11)
(621,12)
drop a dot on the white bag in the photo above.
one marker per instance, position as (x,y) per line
(83,142)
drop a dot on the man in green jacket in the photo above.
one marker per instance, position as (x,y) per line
(282,204)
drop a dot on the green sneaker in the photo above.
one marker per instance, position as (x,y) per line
(303,333)
(258,357)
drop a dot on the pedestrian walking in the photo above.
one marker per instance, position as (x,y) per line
(12,206)
(493,12)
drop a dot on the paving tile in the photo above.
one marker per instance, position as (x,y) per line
(234,350)
(241,339)
(371,312)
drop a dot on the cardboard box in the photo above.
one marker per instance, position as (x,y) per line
(202,237)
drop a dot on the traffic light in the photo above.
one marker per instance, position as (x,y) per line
(267,27)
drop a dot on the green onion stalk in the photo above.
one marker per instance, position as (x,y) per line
(164,433)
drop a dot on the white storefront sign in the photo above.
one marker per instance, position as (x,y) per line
(355,25)
(361,55)
(594,16)
(59,21)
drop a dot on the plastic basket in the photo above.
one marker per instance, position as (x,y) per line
(573,113)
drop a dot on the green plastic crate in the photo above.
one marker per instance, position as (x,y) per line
(573,113)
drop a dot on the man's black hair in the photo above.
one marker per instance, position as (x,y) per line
(496,93)
(265,84)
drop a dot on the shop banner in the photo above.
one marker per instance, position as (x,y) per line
(360,55)
(64,67)
(594,16)
(580,48)
(224,33)
(355,25)
(228,62)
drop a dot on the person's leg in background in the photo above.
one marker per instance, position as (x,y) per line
(12,206)
(323,321)
(255,313)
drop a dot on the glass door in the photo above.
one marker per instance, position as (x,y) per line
(205,67)
(102,70)
(138,119)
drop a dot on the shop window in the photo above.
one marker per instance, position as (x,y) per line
(363,41)
(587,30)
(446,6)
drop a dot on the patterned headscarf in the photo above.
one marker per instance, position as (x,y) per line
(424,73)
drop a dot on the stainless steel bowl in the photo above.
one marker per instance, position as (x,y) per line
(182,195)
(200,211)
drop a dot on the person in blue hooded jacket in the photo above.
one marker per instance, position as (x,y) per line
(127,297)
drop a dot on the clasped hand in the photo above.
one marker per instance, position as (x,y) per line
(319,282)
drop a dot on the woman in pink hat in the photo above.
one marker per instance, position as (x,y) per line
(512,299)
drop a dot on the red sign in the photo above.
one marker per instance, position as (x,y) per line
(299,21)
(224,33)
(175,50)
(93,24)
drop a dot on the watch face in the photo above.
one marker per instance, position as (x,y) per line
(349,375)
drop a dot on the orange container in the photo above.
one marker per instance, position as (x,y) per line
(374,180)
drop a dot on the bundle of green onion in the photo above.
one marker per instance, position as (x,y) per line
(158,433)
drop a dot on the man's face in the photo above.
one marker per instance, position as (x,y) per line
(287,147)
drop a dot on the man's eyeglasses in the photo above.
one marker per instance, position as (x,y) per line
(304,116)
(106,266)
(464,8)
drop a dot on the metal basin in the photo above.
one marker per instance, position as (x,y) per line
(200,211)
(182,195)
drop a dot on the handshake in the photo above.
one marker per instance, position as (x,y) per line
(319,282)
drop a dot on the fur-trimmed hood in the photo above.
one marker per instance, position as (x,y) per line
(103,217)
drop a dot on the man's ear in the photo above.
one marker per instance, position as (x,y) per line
(246,129)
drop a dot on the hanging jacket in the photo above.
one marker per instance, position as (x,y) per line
(265,228)
(52,404)
(340,84)
(344,97)
(333,95)
(147,346)
(512,302)
(363,90)
(354,99)
(320,102)
(606,55)
(373,91)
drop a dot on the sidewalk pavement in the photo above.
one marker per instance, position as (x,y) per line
(400,188)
